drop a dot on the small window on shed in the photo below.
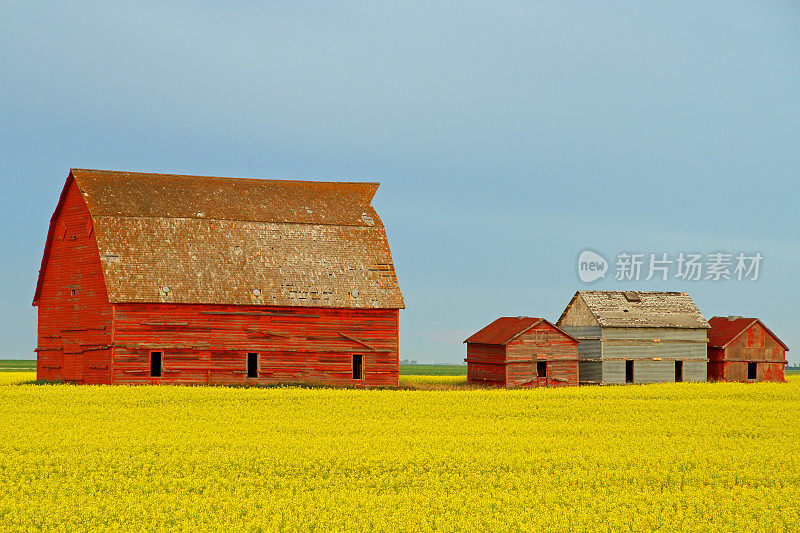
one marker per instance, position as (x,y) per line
(358,366)
(155,364)
(678,371)
(752,370)
(252,365)
(541,369)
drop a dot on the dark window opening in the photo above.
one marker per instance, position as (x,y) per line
(358,366)
(73,292)
(252,365)
(155,364)
(541,369)
(628,371)
(752,370)
(678,371)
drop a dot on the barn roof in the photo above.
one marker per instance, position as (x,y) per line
(136,194)
(507,328)
(724,330)
(626,309)
(239,241)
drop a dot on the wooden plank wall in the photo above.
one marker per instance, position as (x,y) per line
(583,332)
(74,333)
(654,352)
(648,343)
(542,343)
(590,349)
(590,371)
(754,345)
(695,371)
(649,371)
(209,344)
(716,366)
(614,372)
(486,364)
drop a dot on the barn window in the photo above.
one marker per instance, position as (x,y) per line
(752,370)
(252,365)
(73,292)
(358,366)
(155,364)
(628,371)
(541,369)
(678,371)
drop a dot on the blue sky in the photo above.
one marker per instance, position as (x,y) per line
(508,136)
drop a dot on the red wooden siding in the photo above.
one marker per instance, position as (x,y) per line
(716,364)
(486,364)
(515,364)
(542,343)
(74,313)
(755,345)
(209,344)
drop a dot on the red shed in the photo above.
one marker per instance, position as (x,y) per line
(522,352)
(744,349)
(151,278)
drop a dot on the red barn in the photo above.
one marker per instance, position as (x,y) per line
(151,278)
(522,352)
(744,349)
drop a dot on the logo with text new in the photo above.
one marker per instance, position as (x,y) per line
(591,266)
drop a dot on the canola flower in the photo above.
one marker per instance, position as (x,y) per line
(432,380)
(672,457)
(10,378)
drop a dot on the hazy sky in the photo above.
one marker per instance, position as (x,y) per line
(508,136)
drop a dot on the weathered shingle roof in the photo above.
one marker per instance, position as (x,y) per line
(507,328)
(725,330)
(239,241)
(137,194)
(652,310)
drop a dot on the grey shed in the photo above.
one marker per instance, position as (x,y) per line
(637,337)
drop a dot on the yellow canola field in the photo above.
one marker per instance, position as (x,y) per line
(673,457)
(432,380)
(9,378)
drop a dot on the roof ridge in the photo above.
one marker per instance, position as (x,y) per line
(163,174)
(150,195)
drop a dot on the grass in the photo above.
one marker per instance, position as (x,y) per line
(433,370)
(17,365)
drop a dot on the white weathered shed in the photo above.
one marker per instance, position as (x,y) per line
(637,337)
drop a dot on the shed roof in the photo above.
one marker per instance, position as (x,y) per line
(238,241)
(724,330)
(626,309)
(507,328)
